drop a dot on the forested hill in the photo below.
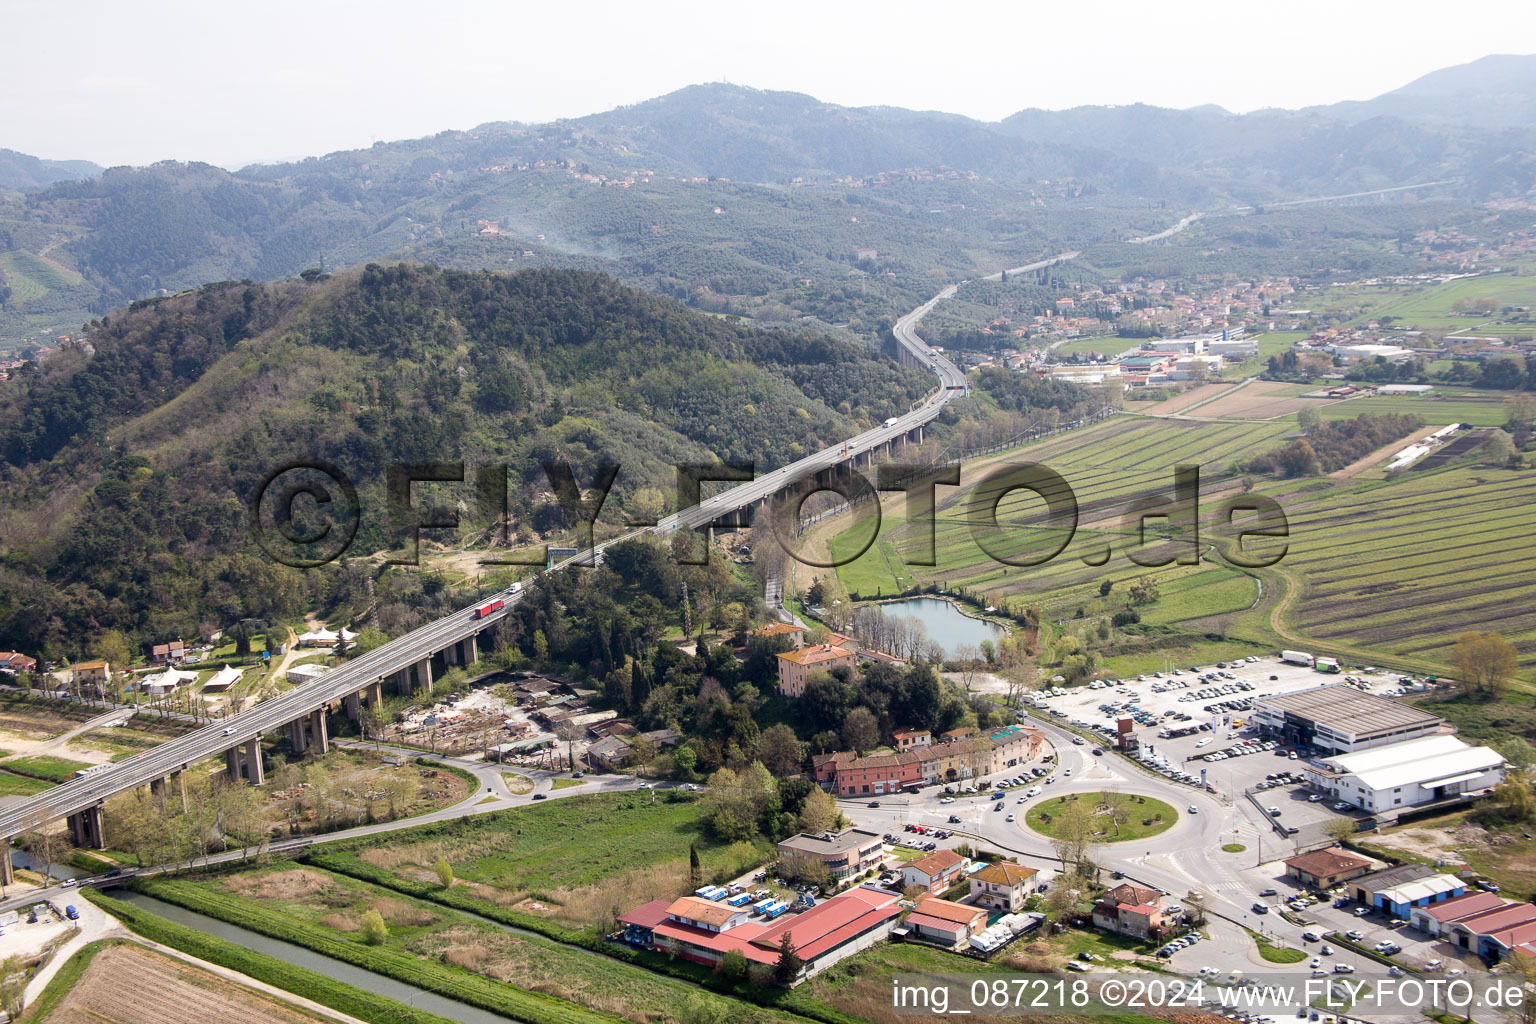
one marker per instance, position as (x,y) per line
(129,461)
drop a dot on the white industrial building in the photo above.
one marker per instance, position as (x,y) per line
(1418,771)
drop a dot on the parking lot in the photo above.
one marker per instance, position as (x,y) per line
(1209,706)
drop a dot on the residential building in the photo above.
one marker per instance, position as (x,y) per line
(834,929)
(796,667)
(796,634)
(1140,920)
(13,661)
(168,653)
(91,675)
(944,922)
(936,872)
(910,739)
(962,755)
(1411,773)
(1003,885)
(1323,869)
(845,854)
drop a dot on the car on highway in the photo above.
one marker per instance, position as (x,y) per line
(540,796)
(1267,892)
(1261,908)
(1193,809)
(1343,969)
(1354,935)
(1009,818)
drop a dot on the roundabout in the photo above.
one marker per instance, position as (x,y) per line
(1108,817)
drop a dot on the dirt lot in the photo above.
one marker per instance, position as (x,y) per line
(1261,400)
(131,985)
(1178,403)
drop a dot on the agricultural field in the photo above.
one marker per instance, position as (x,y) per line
(1259,400)
(525,977)
(570,861)
(32,277)
(1402,567)
(1380,571)
(1432,307)
(1109,467)
(128,984)
(1440,407)
(1180,402)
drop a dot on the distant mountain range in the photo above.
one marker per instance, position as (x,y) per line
(947,195)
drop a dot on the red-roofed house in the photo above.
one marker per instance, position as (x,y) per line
(15,662)
(1323,869)
(935,872)
(1004,885)
(821,936)
(795,633)
(944,922)
(1493,932)
(909,739)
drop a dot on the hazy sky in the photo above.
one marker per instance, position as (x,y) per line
(133,82)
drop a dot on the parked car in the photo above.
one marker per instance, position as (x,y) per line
(540,796)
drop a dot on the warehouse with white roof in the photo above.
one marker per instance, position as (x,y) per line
(1408,774)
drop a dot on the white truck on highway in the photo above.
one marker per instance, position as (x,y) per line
(1296,658)
(892,421)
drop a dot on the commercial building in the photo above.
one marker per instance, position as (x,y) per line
(1004,885)
(1493,932)
(1323,869)
(1399,891)
(696,929)
(844,853)
(936,872)
(797,666)
(1408,774)
(1340,719)
(1432,920)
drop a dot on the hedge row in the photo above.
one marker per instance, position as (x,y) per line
(300,981)
(392,962)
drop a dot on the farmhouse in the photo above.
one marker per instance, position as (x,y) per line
(1408,774)
(166,653)
(11,661)
(696,929)
(844,853)
(94,674)
(1341,719)
(1323,869)
(935,872)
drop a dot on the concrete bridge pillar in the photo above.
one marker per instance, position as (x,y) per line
(352,704)
(181,785)
(375,693)
(296,737)
(85,827)
(243,762)
(318,735)
(157,789)
(7,874)
(421,675)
